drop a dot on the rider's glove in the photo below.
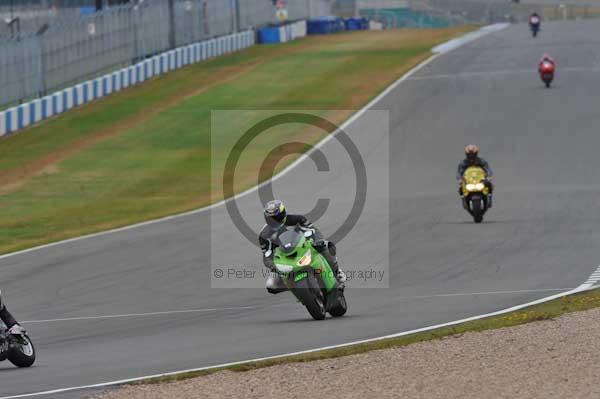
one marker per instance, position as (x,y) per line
(310,228)
(320,245)
(16,330)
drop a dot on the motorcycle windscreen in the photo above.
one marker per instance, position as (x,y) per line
(289,240)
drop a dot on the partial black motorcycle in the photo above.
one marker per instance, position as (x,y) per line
(16,348)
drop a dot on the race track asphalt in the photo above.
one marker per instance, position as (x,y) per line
(541,237)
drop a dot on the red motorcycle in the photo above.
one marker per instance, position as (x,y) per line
(546,70)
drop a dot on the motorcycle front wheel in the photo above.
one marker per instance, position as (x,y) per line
(309,294)
(23,352)
(476,210)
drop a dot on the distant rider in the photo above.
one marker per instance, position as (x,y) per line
(9,320)
(472,159)
(535,20)
(276,217)
(546,59)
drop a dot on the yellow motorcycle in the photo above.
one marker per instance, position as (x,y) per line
(475,192)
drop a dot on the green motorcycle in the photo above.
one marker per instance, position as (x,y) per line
(307,274)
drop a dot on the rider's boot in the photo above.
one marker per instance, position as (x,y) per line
(275,284)
(490,187)
(335,267)
(463,198)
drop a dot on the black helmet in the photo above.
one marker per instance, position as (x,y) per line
(471,152)
(275,214)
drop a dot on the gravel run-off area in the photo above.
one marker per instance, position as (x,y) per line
(547,359)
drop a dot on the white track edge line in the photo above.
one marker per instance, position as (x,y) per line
(592,280)
(581,288)
(468,38)
(436,53)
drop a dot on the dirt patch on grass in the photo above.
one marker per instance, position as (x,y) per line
(13,179)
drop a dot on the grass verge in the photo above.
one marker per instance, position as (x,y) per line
(545,311)
(145,152)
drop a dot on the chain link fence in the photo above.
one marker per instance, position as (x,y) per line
(59,43)
(552,11)
(472,11)
(59,48)
(427,13)
(23,17)
(412,13)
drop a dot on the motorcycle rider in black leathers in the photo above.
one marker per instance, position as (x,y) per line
(472,159)
(277,218)
(535,17)
(9,320)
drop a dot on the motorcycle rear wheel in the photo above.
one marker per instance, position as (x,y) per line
(340,308)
